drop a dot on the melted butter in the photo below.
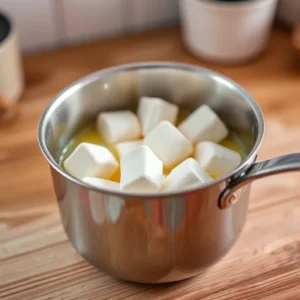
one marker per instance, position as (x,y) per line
(90,135)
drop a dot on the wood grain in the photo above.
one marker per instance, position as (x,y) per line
(37,261)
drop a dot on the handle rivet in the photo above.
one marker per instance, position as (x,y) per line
(233,199)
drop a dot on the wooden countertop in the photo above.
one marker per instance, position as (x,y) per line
(37,261)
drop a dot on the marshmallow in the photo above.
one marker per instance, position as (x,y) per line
(125,147)
(102,183)
(187,174)
(118,126)
(203,125)
(152,111)
(215,159)
(89,160)
(141,171)
(169,144)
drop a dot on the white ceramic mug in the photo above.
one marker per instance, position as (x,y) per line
(11,69)
(228,32)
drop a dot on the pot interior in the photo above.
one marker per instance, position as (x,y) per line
(120,88)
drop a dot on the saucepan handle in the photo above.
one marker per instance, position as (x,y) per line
(282,164)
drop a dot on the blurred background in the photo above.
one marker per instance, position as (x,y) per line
(48,24)
(218,31)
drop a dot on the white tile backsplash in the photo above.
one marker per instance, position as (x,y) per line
(92,19)
(43,24)
(35,22)
(148,14)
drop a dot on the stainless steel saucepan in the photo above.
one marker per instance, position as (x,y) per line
(156,237)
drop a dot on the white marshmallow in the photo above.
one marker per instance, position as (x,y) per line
(152,111)
(102,183)
(90,160)
(141,171)
(187,174)
(125,147)
(118,126)
(203,125)
(169,144)
(215,159)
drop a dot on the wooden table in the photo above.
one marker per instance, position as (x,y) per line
(37,261)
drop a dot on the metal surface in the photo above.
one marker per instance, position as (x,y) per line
(155,237)
(287,163)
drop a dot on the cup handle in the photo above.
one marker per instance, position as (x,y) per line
(282,164)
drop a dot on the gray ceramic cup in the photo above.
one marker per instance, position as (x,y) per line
(163,237)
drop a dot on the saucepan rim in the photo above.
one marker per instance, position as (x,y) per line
(84,81)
